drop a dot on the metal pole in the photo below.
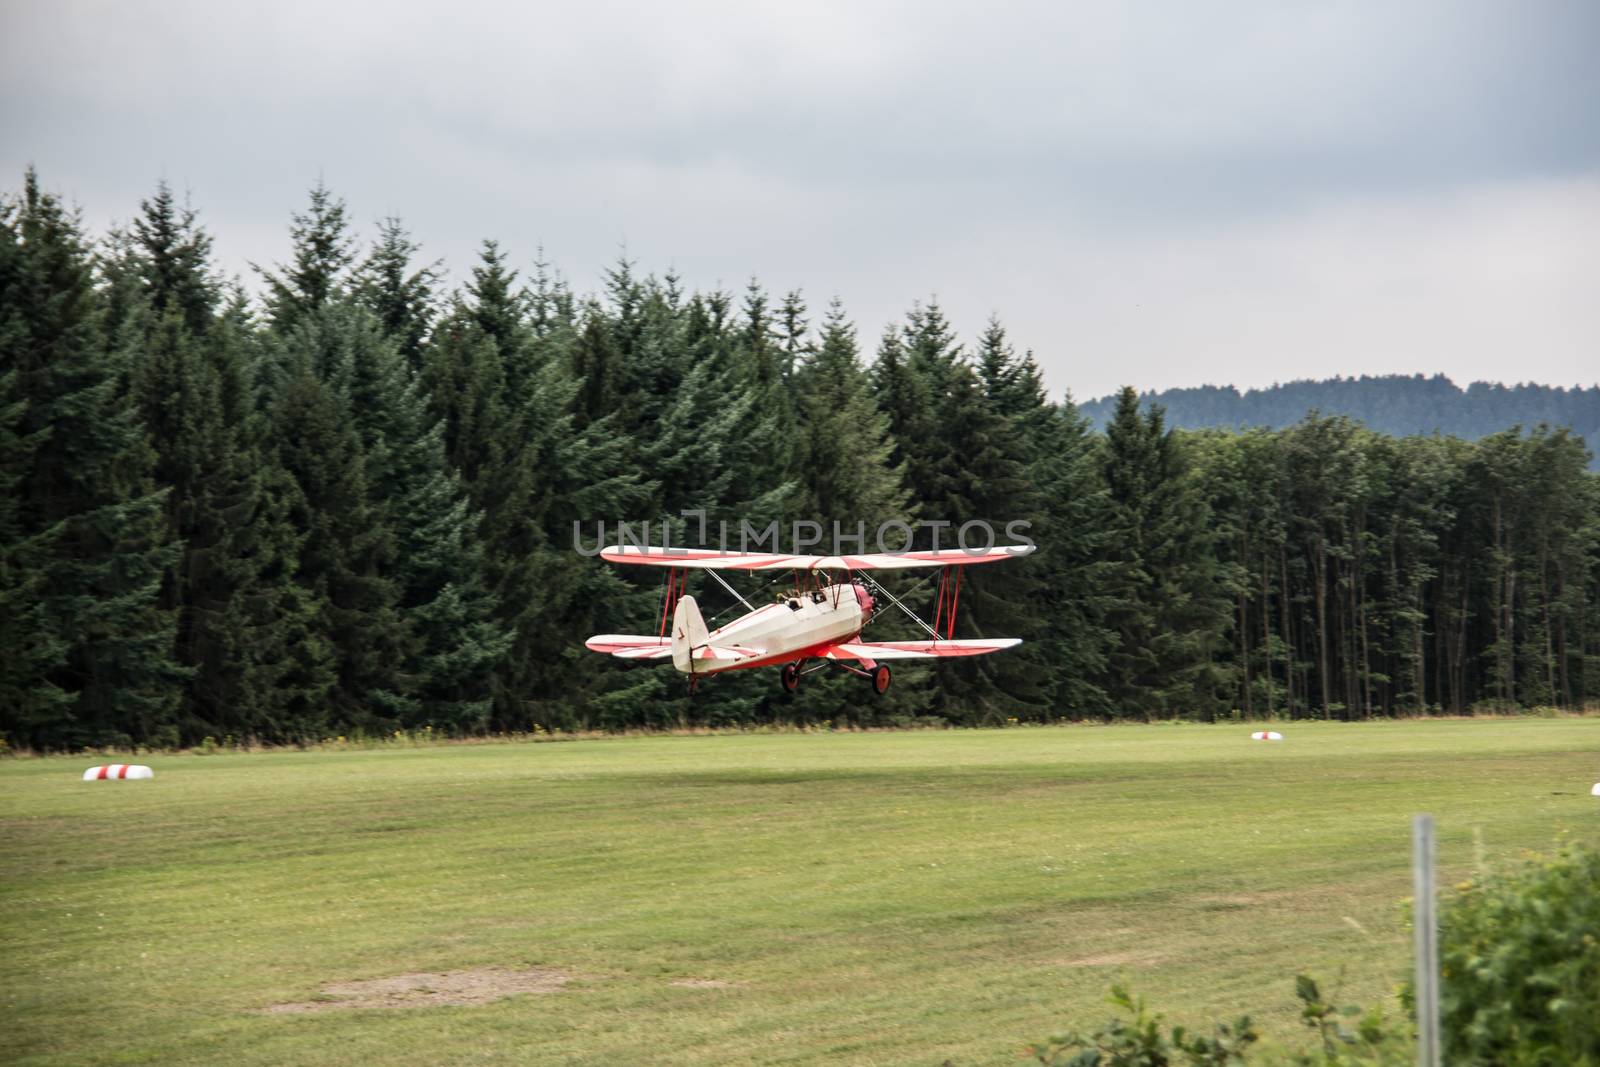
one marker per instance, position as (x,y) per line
(1426,923)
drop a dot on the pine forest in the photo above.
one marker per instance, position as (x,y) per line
(343,500)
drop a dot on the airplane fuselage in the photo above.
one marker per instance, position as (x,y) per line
(786,630)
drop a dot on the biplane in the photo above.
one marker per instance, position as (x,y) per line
(815,621)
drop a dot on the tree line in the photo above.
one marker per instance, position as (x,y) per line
(347,505)
(1391,403)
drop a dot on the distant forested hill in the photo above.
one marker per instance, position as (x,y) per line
(1394,404)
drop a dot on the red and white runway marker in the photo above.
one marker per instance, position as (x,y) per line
(118,770)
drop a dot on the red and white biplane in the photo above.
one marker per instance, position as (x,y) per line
(816,622)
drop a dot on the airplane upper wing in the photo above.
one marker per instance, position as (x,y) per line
(878,650)
(712,559)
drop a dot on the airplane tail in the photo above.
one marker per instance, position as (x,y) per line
(688,633)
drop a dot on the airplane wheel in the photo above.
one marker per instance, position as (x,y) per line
(880,680)
(790,676)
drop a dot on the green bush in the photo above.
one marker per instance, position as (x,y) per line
(1348,1036)
(1519,962)
(1138,1041)
(1345,1037)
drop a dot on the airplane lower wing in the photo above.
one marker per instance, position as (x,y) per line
(881,650)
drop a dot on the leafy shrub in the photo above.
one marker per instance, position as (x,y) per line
(1370,1042)
(1519,961)
(1519,957)
(1139,1042)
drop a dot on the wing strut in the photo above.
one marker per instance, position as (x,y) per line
(949,597)
(677,581)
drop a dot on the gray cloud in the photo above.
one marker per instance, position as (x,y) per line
(1159,194)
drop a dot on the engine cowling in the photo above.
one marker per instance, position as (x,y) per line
(864,600)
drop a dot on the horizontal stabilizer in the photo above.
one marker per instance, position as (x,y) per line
(725,652)
(653,652)
(630,646)
(640,647)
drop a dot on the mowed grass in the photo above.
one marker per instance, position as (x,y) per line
(866,898)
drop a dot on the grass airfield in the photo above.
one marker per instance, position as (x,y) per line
(767,898)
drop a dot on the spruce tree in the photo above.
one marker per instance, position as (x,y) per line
(89,516)
(773,452)
(398,293)
(1067,517)
(34,651)
(596,365)
(169,254)
(793,328)
(845,479)
(966,459)
(916,375)
(847,475)
(510,409)
(551,306)
(905,401)
(1164,604)
(452,645)
(984,477)
(345,559)
(319,272)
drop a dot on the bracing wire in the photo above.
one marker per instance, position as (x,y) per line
(878,588)
(723,582)
(781,577)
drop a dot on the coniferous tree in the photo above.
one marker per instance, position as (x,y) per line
(915,381)
(793,328)
(512,427)
(984,478)
(319,271)
(174,261)
(345,557)
(190,385)
(1067,520)
(966,460)
(760,446)
(847,476)
(34,651)
(551,307)
(89,510)
(452,642)
(595,363)
(398,293)
(1163,601)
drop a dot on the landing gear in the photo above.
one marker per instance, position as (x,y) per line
(790,677)
(880,680)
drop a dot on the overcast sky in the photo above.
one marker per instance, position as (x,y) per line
(1154,194)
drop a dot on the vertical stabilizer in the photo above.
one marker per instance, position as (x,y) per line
(688,633)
